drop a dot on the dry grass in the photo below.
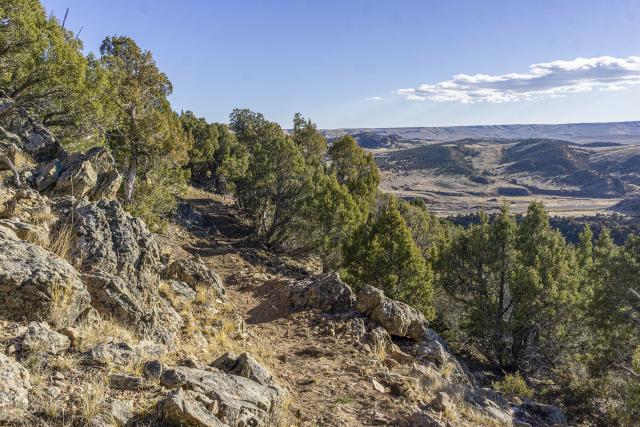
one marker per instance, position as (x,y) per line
(92,400)
(204,295)
(61,297)
(103,331)
(62,242)
(40,218)
(64,362)
(380,351)
(169,294)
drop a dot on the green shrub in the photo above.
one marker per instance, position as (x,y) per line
(513,385)
(155,197)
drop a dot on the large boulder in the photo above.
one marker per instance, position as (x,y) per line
(232,399)
(537,414)
(433,349)
(194,272)
(189,408)
(246,366)
(15,385)
(40,338)
(326,292)
(149,314)
(37,140)
(37,285)
(121,264)
(92,174)
(397,318)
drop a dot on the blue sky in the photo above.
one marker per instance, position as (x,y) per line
(383,63)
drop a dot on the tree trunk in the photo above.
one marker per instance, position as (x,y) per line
(129,185)
(131,178)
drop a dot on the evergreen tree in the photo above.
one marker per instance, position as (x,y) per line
(145,129)
(383,254)
(43,70)
(356,169)
(276,186)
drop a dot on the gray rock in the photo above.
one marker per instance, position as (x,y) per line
(189,408)
(194,272)
(15,385)
(397,318)
(111,354)
(442,402)
(535,412)
(121,411)
(241,401)
(433,348)
(40,338)
(121,264)
(326,292)
(92,174)
(37,285)
(423,419)
(125,382)
(152,369)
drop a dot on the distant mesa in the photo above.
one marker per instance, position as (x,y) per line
(580,133)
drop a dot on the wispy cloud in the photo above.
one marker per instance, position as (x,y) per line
(544,80)
(373,98)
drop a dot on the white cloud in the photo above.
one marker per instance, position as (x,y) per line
(551,79)
(373,98)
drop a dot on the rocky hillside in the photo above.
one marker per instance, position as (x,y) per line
(512,168)
(103,323)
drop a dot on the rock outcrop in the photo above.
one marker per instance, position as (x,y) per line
(194,273)
(397,318)
(326,292)
(40,338)
(189,408)
(92,174)
(204,396)
(37,285)
(121,265)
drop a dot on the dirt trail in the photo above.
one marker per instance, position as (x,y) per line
(327,373)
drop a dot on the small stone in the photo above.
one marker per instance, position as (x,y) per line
(152,369)
(442,402)
(52,392)
(378,387)
(57,376)
(121,411)
(125,382)
(172,378)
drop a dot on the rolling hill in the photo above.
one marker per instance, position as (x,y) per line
(582,133)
